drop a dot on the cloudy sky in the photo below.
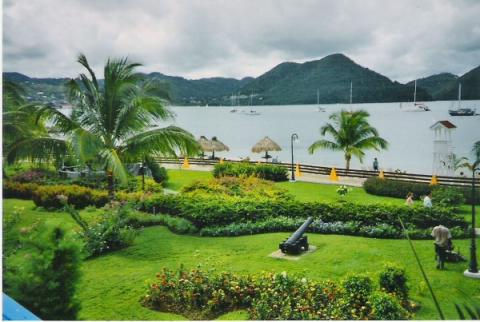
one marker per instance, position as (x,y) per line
(235,38)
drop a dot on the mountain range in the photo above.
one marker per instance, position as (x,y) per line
(328,80)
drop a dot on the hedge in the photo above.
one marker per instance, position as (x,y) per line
(263,171)
(400,189)
(353,228)
(216,211)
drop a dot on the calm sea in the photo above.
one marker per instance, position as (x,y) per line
(408,133)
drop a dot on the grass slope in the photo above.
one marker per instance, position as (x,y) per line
(112,285)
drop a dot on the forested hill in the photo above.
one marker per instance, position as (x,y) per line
(293,83)
(287,83)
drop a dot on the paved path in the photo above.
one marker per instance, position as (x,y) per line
(306,177)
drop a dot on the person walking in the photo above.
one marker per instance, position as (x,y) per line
(375,164)
(409,200)
(442,237)
(427,201)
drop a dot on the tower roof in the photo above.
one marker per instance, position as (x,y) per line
(447,124)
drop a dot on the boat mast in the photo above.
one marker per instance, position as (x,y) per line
(351,91)
(415,94)
(318,96)
(251,98)
(459,95)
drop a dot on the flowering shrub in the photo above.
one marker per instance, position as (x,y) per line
(249,187)
(199,294)
(13,189)
(32,176)
(243,169)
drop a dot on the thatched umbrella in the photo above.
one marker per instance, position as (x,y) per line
(205,145)
(217,145)
(264,145)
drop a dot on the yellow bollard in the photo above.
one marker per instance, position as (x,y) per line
(381,175)
(298,174)
(333,175)
(185,164)
(221,161)
(434,180)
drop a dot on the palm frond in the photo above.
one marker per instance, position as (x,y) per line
(323,144)
(59,120)
(113,163)
(165,141)
(36,149)
(86,145)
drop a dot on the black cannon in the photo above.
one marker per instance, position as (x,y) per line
(297,243)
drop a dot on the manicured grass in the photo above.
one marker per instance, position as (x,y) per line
(112,284)
(179,178)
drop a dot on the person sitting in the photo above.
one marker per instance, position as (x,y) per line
(427,201)
(375,164)
(442,243)
(409,200)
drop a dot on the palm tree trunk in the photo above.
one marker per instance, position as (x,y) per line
(110,183)
(347,160)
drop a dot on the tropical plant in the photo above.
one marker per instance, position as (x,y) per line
(110,121)
(24,135)
(351,133)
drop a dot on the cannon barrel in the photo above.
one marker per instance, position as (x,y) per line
(299,232)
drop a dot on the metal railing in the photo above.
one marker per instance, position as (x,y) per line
(353,173)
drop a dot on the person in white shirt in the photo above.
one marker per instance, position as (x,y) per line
(427,201)
(442,237)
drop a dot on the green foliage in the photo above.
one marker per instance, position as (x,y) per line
(343,190)
(400,189)
(200,294)
(447,196)
(46,284)
(32,176)
(110,233)
(244,169)
(175,224)
(212,210)
(159,174)
(386,307)
(394,281)
(134,184)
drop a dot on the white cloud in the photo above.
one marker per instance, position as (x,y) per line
(402,39)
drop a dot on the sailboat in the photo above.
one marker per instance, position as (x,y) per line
(461,111)
(319,108)
(417,107)
(252,111)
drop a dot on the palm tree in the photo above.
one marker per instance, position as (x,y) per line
(25,136)
(111,121)
(351,133)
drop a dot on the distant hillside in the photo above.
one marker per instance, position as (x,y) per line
(435,83)
(470,87)
(214,91)
(293,83)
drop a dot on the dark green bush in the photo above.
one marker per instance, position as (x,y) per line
(400,189)
(46,284)
(199,294)
(386,307)
(175,224)
(447,196)
(32,176)
(395,188)
(394,281)
(159,174)
(207,211)
(243,169)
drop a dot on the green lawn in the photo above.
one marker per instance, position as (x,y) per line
(112,285)
(179,178)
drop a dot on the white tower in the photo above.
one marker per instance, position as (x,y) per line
(442,148)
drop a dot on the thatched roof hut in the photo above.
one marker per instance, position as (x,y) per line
(205,144)
(218,145)
(264,145)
